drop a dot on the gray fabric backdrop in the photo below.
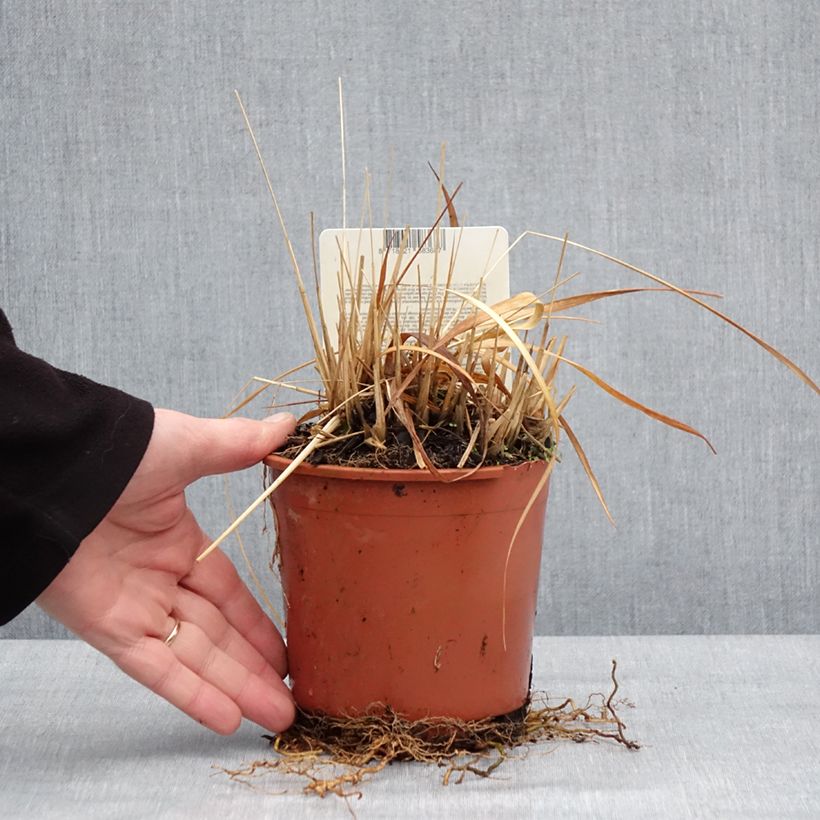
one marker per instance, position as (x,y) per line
(137,243)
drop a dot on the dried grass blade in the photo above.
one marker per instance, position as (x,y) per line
(451,210)
(331,425)
(470,444)
(268,383)
(288,385)
(633,403)
(447,358)
(801,374)
(260,589)
(422,458)
(344,153)
(582,457)
(527,303)
(520,346)
(569,302)
(314,334)
(423,243)
(523,517)
(317,288)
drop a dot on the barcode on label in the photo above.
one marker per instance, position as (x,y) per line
(414,240)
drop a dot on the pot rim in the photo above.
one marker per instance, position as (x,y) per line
(279,462)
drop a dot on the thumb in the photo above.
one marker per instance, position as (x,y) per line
(225,445)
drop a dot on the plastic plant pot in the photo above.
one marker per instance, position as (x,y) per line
(395,591)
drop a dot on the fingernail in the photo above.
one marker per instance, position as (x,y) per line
(279,418)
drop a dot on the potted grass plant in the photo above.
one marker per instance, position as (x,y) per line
(410,503)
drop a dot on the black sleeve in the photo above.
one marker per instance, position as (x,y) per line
(68,447)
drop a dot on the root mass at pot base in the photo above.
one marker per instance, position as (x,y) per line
(334,755)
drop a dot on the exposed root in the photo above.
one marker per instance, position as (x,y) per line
(336,755)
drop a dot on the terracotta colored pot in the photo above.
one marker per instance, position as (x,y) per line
(393,588)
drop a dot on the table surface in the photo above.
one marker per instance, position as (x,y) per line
(729,727)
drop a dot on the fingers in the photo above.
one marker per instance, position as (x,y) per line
(268,703)
(154,665)
(206,683)
(192,607)
(225,445)
(217,580)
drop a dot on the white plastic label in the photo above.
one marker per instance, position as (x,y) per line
(472,260)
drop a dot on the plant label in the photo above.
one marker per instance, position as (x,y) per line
(416,267)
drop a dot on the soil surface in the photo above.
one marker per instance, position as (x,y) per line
(444,446)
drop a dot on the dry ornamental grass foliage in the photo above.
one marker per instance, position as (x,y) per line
(474,390)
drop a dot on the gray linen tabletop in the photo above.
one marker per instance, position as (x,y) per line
(728,727)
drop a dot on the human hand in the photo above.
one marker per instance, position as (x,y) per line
(136,573)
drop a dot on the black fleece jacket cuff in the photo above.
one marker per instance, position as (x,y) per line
(68,448)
